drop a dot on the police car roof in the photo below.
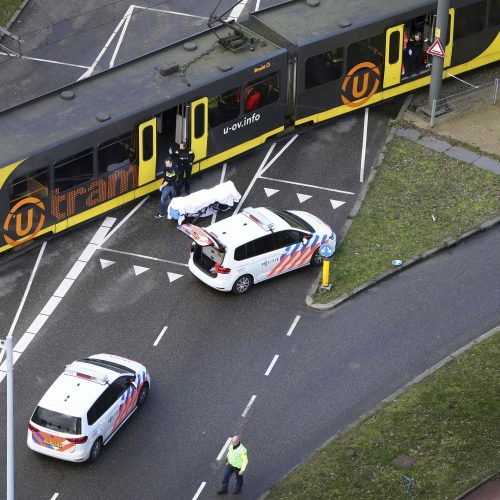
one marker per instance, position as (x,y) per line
(74,395)
(240,228)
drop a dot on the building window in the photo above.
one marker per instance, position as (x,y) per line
(325,67)
(73,170)
(262,92)
(223,108)
(116,153)
(35,184)
(469,19)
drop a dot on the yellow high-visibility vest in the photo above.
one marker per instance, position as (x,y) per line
(237,457)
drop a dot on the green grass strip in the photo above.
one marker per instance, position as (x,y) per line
(448,423)
(7,9)
(417,198)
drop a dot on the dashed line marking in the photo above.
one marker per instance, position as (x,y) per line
(294,324)
(224,448)
(157,341)
(307,185)
(247,409)
(273,362)
(200,489)
(143,256)
(54,496)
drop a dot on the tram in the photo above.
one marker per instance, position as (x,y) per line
(76,153)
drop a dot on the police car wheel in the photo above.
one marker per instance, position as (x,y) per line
(143,394)
(95,451)
(316,258)
(242,284)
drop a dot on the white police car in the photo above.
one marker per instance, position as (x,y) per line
(86,405)
(255,245)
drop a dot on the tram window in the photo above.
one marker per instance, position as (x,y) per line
(469,19)
(34,184)
(147,143)
(73,170)
(199,121)
(115,153)
(223,107)
(369,50)
(394,42)
(325,67)
(494,13)
(261,92)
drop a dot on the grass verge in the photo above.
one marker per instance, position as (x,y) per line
(417,198)
(7,9)
(448,423)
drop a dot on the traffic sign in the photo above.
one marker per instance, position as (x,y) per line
(326,250)
(436,49)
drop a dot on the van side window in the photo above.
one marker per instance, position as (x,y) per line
(101,406)
(264,244)
(120,385)
(284,239)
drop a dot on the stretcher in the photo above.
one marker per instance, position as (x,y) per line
(204,202)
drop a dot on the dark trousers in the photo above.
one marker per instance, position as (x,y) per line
(228,472)
(183,178)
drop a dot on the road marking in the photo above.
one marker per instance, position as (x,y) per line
(120,40)
(38,322)
(157,341)
(282,150)
(44,60)
(237,10)
(307,185)
(106,263)
(303,197)
(268,371)
(170,12)
(294,324)
(257,5)
(142,256)
(200,489)
(270,191)
(49,307)
(172,277)
(221,454)
(336,203)
(363,148)
(54,496)
(139,270)
(24,342)
(250,403)
(255,177)
(214,215)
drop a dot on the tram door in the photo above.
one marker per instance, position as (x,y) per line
(147,152)
(393,56)
(198,130)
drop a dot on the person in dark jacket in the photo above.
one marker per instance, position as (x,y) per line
(184,159)
(415,49)
(167,188)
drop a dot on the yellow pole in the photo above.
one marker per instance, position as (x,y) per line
(326,273)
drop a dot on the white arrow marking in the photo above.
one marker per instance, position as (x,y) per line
(139,270)
(106,263)
(172,277)
(303,197)
(336,203)
(270,191)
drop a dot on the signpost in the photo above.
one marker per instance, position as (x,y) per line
(326,251)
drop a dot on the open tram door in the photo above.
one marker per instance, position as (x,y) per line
(198,130)
(146,155)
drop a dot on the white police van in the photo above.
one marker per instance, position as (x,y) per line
(86,405)
(255,245)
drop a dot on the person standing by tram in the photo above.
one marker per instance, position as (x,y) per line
(184,159)
(168,186)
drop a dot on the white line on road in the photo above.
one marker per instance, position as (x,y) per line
(120,40)
(307,185)
(255,177)
(44,60)
(250,403)
(54,496)
(221,181)
(200,489)
(282,150)
(157,341)
(237,10)
(257,5)
(268,371)
(142,256)
(363,148)
(221,454)
(170,12)
(294,324)
(132,212)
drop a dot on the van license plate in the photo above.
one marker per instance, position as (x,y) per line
(57,444)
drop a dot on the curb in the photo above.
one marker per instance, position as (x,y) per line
(395,394)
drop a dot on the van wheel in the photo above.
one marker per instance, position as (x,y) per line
(242,284)
(95,451)
(143,394)
(316,258)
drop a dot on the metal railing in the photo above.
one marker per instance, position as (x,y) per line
(463,102)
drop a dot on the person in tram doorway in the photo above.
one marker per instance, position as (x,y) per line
(415,49)
(237,461)
(167,188)
(184,158)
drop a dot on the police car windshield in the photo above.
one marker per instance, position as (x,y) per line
(293,220)
(57,421)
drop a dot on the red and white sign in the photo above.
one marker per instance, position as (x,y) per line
(436,49)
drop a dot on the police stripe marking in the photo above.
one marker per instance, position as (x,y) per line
(224,448)
(294,324)
(250,403)
(157,341)
(268,371)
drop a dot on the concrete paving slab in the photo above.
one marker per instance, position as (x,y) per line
(408,133)
(463,154)
(434,144)
(488,164)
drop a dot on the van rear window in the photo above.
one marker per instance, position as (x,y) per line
(57,421)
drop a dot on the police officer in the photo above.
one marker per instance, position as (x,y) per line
(237,461)
(184,158)
(167,188)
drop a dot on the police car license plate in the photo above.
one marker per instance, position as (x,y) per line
(57,444)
